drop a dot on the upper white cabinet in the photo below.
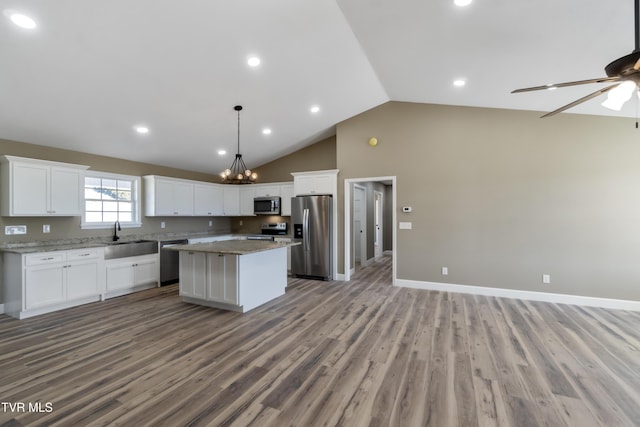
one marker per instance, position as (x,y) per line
(315,182)
(267,190)
(208,199)
(286,193)
(168,196)
(247,195)
(33,187)
(231,197)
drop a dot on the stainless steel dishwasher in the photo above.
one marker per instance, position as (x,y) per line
(170,261)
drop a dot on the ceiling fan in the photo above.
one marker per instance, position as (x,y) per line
(624,71)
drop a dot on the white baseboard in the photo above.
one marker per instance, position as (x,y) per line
(526,295)
(338,276)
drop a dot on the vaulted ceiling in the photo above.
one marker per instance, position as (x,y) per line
(91,71)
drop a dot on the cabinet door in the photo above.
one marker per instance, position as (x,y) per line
(231,196)
(286,193)
(146,272)
(45,285)
(267,191)
(164,198)
(66,185)
(193,274)
(208,200)
(30,190)
(246,200)
(119,275)
(82,280)
(222,278)
(183,196)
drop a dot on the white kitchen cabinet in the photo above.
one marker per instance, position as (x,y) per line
(47,281)
(222,280)
(126,275)
(233,282)
(168,196)
(315,182)
(286,193)
(231,200)
(192,283)
(264,190)
(247,195)
(208,199)
(33,187)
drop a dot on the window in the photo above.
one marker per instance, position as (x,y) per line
(109,198)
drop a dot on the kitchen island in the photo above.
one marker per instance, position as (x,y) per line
(236,275)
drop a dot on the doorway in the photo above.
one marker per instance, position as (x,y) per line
(384,212)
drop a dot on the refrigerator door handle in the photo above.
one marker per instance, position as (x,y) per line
(305,222)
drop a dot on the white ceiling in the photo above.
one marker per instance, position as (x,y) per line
(92,70)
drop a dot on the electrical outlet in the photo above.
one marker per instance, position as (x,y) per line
(546,279)
(162,224)
(445,271)
(15,229)
(46,228)
(210,223)
(241,223)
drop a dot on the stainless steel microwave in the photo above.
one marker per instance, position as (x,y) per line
(266,206)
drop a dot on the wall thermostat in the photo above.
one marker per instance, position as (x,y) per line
(406,209)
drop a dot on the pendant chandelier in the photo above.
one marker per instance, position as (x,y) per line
(238,173)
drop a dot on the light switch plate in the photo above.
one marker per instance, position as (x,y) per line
(15,229)
(46,228)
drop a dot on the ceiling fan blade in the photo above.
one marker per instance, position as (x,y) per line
(580,101)
(578,82)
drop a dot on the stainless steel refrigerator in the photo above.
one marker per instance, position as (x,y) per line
(311,217)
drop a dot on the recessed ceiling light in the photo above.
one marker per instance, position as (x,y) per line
(462,3)
(459,82)
(266,131)
(20,19)
(314,109)
(142,129)
(222,152)
(253,61)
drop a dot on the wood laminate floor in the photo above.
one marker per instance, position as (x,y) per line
(327,353)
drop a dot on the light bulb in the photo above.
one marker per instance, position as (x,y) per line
(239,176)
(619,95)
(247,172)
(227,172)
(254,175)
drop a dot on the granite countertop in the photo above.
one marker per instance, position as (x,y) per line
(233,247)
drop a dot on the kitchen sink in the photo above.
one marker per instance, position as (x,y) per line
(130,248)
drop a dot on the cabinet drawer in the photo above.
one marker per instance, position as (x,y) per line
(82,254)
(45,258)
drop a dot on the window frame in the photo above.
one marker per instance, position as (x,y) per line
(135,200)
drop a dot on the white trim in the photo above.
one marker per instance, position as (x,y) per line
(525,295)
(339,276)
(136,196)
(348,271)
(1,308)
(363,223)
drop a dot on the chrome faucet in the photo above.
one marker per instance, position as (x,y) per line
(116,228)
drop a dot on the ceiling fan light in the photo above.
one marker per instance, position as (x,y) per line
(619,95)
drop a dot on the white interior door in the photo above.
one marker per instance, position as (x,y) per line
(377,220)
(359,225)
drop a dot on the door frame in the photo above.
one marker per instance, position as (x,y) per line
(347,223)
(363,223)
(378,229)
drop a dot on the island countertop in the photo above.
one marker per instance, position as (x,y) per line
(232,247)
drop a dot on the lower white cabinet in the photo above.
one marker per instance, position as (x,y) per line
(232,282)
(222,281)
(47,281)
(285,240)
(209,276)
(124,275)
